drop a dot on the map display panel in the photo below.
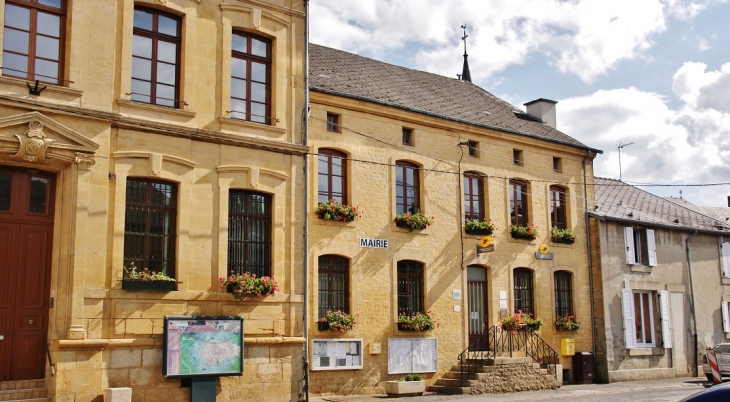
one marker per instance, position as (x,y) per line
(203,346)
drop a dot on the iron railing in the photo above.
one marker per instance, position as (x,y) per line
(496,341)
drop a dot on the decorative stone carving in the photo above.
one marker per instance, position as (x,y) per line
(85,161)
(34,144)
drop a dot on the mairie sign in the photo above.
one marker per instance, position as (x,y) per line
(373,243)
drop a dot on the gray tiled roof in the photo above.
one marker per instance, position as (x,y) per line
(616,200)
(720,213)
(347,74)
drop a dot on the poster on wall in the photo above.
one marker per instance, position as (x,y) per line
(202,346)
(336,354)
(412,355)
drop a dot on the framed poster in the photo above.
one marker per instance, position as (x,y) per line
(336,354)
(202,346)
(412,355)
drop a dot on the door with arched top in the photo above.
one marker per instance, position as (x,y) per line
(477,294)
(26,241)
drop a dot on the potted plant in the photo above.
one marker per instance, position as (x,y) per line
(558,235)
(417,321)
(567,323)
(483,227)
(415,221)
(534,324)
(331,210)
(513,322)
(145,279)
(337,321)
(528,232)
(409,385)
(248,285)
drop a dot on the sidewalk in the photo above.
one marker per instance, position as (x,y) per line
(576,390)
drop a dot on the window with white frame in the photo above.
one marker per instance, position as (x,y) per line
(726,316)
(639,314)
(640,246)
(725,257)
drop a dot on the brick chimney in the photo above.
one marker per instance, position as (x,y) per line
(543,109)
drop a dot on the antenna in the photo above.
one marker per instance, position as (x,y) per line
(620,145)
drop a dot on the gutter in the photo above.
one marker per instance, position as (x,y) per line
(591,290)
(695,366)
(305,251)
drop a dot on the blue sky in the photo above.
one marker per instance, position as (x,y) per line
(652,72)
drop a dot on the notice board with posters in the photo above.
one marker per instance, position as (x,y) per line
(412,355)
(336,354)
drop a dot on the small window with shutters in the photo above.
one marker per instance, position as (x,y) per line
(640,246)
(638,307)
(725,257)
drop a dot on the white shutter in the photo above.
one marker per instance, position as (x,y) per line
(629,241)
(627,302)
(725,252)
(725,317)
(651,247)
(666,324)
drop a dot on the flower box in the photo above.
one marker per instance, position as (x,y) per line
(517,235)
(332,210)
(149,286)
(416,221)
(405,388)
(562,240)
(323,326)
(483,232)
(558,235)
(247,286)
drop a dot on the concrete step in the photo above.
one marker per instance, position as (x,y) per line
(449,390)
(24,391)
(21,384)
(453,382)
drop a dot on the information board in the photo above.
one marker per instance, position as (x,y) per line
(336,354)
(412,355)
(202,346)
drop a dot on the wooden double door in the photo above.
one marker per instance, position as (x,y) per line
(26,234)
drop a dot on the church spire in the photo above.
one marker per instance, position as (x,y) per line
(465,74)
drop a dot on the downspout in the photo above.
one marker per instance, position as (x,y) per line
(692,305)
(305,262)
(590,256)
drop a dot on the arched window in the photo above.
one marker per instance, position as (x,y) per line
(250,78)
(410,287)
(249,232)
(518,202)
(407,188)
(473,196)
(334,284)
(523,291)
(558,208)
(563,293)
(331,176)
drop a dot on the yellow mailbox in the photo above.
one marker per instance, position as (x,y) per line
(567,347)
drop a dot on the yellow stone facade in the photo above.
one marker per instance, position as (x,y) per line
(99,335)
(370,136)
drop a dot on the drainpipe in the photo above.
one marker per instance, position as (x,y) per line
(305,261)
(590,256)
(692,305)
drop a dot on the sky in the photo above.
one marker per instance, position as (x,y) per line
(651,75)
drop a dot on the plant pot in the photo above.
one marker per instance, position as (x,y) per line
(350,219)
(405,225)
(323,326)
(405,388)
(149,286)
(522,236)
(562,240)
(483,232)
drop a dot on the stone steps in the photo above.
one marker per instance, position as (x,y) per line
(23,391)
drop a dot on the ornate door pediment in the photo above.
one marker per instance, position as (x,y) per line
(35,138)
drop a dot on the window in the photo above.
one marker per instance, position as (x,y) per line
(333,122)
(407,188)
(517,157)
(473,149)
(518,202)
(410,287)
(407,136)
(473,196)
(725,310)
(33,40)
(523,292)
(150,225)
(331,176)
(557,164)
(250,78)
(640,247)
(249,232)
(334,284)
(558,208)
(156,57)
(563,293)
(725,254)
(638,308)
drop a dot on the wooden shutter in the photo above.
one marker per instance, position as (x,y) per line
(629,242)
(725,317)
(725,257)
(627,302)
(666,324)
(651,247)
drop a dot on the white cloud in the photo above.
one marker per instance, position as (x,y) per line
(685,10)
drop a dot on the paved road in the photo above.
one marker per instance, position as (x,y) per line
(654,391)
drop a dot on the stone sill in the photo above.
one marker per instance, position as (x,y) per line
(162,110)
(725,281)
(646,352)
(641,268)
(324,222)
(52,94)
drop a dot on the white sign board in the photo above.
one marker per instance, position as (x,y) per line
(373,243)
(336,354)
(412,355)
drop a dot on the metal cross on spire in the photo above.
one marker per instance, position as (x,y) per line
(465,74)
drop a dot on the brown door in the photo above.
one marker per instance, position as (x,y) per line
(477,294)
(26,229)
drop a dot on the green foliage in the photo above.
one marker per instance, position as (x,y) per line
(416,221)
(524,232)
(562,234)
(568,322)
(513,321)
(534,323)
(145,274)
(248,285)
(411,377)
(486,224)
(339,321)
(335,211)
(417,321)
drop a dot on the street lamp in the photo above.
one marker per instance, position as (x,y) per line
(620,145)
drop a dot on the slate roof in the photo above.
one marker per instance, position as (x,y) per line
(346,74)
(616,200)
(720,213)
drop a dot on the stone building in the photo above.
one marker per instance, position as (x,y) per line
(662,280)
(143,132)
(393,140)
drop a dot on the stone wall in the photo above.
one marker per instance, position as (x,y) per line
(515,376)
